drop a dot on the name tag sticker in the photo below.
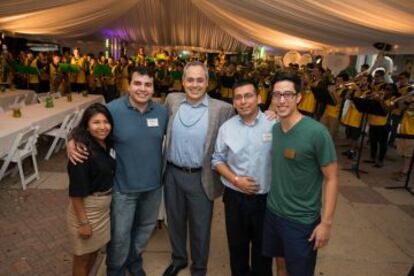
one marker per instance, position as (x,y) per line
(152,122)
(267,137)
(289,153)
(112,153)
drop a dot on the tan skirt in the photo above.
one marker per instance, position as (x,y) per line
(97,210)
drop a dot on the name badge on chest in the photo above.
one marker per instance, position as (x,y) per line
(152,122)
(267,137)
(112,153)
(289,153)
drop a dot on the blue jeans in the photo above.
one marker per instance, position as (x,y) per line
(133,218)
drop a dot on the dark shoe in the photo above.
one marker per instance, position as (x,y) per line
(345,153)
(379,164)
(173,270)
(369,161)
(351,155)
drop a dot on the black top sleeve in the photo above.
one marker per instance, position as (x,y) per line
(79,179)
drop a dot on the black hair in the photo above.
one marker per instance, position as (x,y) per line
(244,82)
(289,76)
(404,74)
(142,71)
(380,72)
(80,133)
(365,66)
(344,76)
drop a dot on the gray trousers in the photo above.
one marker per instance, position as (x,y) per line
(188,207)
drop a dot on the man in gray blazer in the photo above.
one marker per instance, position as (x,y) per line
(190,183)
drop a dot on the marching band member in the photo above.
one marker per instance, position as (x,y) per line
(396,114)
(78,79)
(307,104)
(379,125)
(33,78)
(405,147)
(330,117)
(352,119)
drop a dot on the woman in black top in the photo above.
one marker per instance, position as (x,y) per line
(90,186)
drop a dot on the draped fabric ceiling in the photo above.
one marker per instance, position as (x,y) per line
(347,26)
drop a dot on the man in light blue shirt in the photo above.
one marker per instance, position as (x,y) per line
(190,183)
(189,132)
(242,157)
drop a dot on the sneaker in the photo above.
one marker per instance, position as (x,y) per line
(345,153)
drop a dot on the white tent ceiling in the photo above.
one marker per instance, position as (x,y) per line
(348,26)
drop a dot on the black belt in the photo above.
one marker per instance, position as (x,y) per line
(185,169)
(105,193)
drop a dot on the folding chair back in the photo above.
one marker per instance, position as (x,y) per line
(23,147)
(61,132)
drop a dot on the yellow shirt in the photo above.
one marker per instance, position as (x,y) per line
(353,117)
(110,80)
(125,78)
(375,120)
(407,122)
(333,110)
(403,91)
(81,75)
(308,102)
(34,78)
(263,92)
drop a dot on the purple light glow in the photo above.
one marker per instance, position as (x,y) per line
(111,33)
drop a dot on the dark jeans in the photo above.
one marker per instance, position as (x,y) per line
(378,136)
(244,224)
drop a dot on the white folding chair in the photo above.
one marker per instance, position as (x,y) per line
(78,117)
(30,98)
(61,132)
(23,147)
(20,100)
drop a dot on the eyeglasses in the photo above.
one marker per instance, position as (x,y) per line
(287,95)
(246,97)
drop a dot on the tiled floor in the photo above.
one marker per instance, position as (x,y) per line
(372,233)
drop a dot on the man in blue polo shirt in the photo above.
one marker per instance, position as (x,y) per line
(139,127)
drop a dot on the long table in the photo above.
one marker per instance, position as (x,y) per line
(39,115)
(8,97)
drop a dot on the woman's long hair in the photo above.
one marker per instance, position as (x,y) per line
(81,134)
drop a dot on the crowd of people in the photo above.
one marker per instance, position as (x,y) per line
(251,132)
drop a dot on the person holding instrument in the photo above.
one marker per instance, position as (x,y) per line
(90,189)
(353,118)
(379,125)
(405,147)
(404,88)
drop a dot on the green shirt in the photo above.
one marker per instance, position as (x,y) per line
(297,158)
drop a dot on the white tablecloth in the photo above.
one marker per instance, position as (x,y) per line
(38,115)
(7,98)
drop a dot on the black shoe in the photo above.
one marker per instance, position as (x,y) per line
(369,161)
(379,164)
(351,155)
(173,270)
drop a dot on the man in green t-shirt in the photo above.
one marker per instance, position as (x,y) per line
(303,158)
